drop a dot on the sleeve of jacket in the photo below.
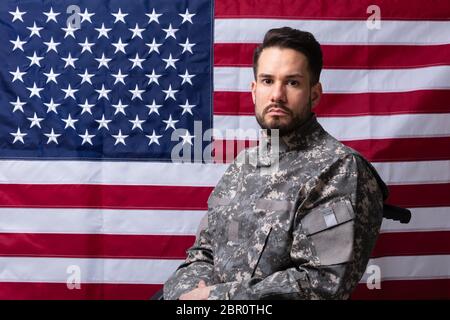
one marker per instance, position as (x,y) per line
(334,232)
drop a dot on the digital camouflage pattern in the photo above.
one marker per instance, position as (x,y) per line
(302,231)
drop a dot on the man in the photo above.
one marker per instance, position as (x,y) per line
(306,229)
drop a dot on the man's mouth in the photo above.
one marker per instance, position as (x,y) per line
(275,111)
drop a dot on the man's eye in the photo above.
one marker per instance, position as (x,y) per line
(294,83)
(267,81)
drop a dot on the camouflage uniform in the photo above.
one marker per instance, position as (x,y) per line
(305,231)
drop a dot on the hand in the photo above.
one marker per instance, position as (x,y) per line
(199,293)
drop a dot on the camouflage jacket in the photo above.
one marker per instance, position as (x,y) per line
(303,231)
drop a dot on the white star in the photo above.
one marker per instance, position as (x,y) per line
(87,137)
(52,137)
(120,107)
(153,77)
(187,16)
(136,93)
(170,123)
(18,44)
(35,90)
(18,136)
(18,105)
(86,16)
(103,123)
(170,32)
(186,77)
(187,107)
(170,93)
(51,15)
(153,16)
(187,46)
(69,31)
(137,62)
(70,61)
(51,107)
(86,77)
(120,138)
(153,138)
(187,138)
(86,46)
(103,61)
(120,46)
(35,121)
(70,122)
(35,59)
(17,15)
(136,32)
(103,31)
(17,75)
(137,123)
(51,76)
(70,92)
(153,107)
(52,45)
(86,107)
(119,77)
(170,62)
(153,46)
(119,16)
(103,93)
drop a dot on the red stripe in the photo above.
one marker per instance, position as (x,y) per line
(94,245)
(337,10)
(91,291)
(424,195)
(104,196)
(348,56)
(349,105)
(412,244)
(405,289)
(375,150)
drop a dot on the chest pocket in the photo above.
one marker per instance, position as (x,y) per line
(330,228)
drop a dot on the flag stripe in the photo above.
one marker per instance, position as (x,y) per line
(336,32)
(163,222)
(174,247)
(100,221)
(49,269)
(95,245)
(401,290)
(412,243)
(422,195)
(337,10)
(378,150)
(347,57)
(348,128)
(350,104)
(238,79)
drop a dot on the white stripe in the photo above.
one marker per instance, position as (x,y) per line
(420,172)
(391,172)
(422,220)
(238,79)
(152,222)
(336,31)
(140,271)
(88,221)
(411,267)
(349,128)
(132,271)
(113,173)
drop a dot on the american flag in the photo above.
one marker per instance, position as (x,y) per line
(95,96)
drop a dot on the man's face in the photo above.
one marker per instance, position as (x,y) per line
(282,93)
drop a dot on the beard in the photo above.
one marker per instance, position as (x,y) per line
(285,124)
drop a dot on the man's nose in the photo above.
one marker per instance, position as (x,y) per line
(278,93)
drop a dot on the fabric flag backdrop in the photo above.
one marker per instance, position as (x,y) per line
(91,207)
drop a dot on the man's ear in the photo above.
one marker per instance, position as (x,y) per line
(316,94)
(254,92)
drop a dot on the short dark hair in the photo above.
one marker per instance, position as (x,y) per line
(301,41)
